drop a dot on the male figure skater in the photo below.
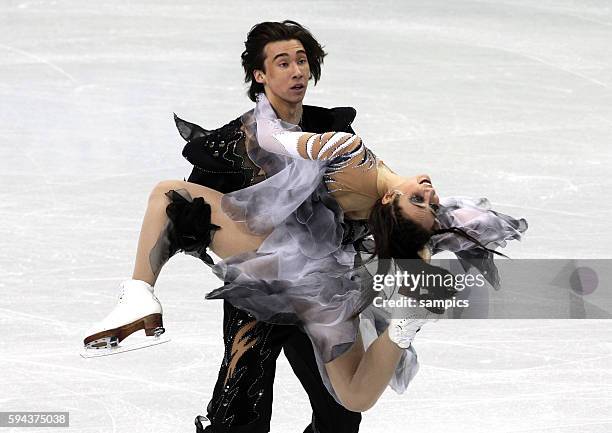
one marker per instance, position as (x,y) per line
(279,59)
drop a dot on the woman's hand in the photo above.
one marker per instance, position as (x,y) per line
(425,254)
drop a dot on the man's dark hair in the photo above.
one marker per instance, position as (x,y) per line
(263,33)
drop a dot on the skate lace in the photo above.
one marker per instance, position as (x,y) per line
(122,295)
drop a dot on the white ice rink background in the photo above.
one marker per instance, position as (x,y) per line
(510,100)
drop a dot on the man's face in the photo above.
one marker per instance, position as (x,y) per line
(286,71)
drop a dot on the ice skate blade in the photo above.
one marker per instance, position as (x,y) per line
(152,324)
(114,350)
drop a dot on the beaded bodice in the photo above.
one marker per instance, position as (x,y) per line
(351,174)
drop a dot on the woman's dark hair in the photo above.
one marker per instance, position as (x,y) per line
(263,33)
(398,237)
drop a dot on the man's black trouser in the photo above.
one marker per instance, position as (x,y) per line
(242,398)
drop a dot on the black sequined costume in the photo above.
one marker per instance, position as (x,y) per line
(242,398)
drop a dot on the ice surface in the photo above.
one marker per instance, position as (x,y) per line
(509,100)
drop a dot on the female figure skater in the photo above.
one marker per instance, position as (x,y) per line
(282,250)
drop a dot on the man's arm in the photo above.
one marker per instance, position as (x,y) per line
(215,155)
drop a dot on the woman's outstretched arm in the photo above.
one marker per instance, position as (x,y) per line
(307,145)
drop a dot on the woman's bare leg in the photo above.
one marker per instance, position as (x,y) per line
(232,238)
(359,377)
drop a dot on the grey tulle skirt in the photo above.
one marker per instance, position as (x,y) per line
(308,272)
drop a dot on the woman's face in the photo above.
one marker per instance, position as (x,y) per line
(417,200)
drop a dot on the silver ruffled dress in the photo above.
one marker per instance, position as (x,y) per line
(305,272)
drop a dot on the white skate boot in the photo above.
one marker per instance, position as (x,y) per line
(137,309)
(403,331)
